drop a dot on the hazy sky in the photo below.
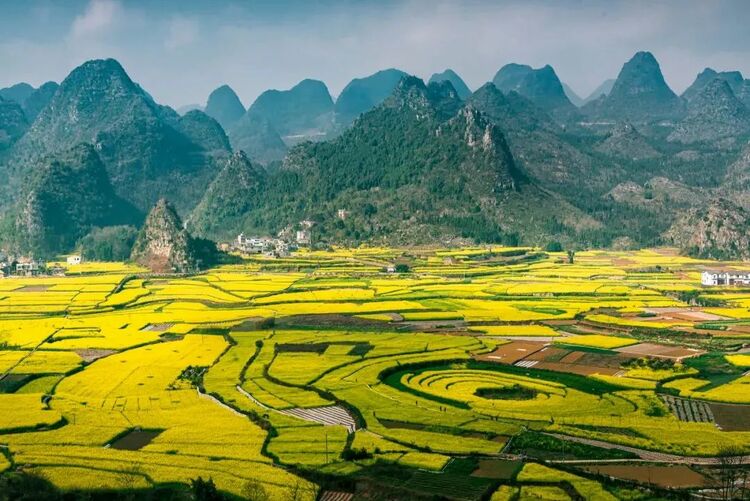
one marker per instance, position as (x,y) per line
(179,50)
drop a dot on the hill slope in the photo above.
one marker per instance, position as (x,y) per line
(65,196)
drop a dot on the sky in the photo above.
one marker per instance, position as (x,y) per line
(180,50)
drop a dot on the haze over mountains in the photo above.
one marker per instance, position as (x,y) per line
(522,159)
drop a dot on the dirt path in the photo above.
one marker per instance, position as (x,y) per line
(646,455)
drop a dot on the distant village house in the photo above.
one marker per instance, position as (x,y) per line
(712,278)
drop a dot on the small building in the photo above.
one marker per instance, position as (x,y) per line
(74,260)
(342,214)
(304,237)
(713,278)
(29,267)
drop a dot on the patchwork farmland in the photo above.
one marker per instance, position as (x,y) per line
(507,373)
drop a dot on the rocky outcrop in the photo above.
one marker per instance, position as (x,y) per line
(720,230)
(163,244)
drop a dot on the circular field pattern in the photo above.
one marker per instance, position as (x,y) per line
(539,399)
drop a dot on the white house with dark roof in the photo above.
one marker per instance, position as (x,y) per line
(713,278)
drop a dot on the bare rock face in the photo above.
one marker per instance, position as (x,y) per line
(720,230)
(163,245)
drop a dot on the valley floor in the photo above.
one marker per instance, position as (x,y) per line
(502,372)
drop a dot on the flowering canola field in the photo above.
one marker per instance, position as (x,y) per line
(271,372)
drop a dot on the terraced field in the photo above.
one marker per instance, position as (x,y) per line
(287,375)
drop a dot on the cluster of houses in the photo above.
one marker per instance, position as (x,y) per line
(23,266)
(287,240)
(271,247)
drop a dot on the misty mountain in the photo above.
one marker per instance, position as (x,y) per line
(224,106)
(18,92)
(733,78)
(258,138)
(639,94)
(148,150)
(449,75)
(418,167)
(362,94)
(304,110)
(189,107)
(541,86)
(38,100)
(13,122)
(602,90)
(572,96)
(423,165)
(714,113)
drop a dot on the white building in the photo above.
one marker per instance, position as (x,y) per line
(304,237)
(253,244)
(29,267)
(74,260)
(711,278)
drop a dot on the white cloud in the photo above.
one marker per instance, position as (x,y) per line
(98,17)
(181,32)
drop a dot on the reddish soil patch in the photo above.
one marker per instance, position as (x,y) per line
(623,262)
(512,352)
(731,417)
(33,288)
(677,476)
(91,355)
(660,351)
(549,354)
(572,357)
(696,316)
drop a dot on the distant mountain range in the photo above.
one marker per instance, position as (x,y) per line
(522,159)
